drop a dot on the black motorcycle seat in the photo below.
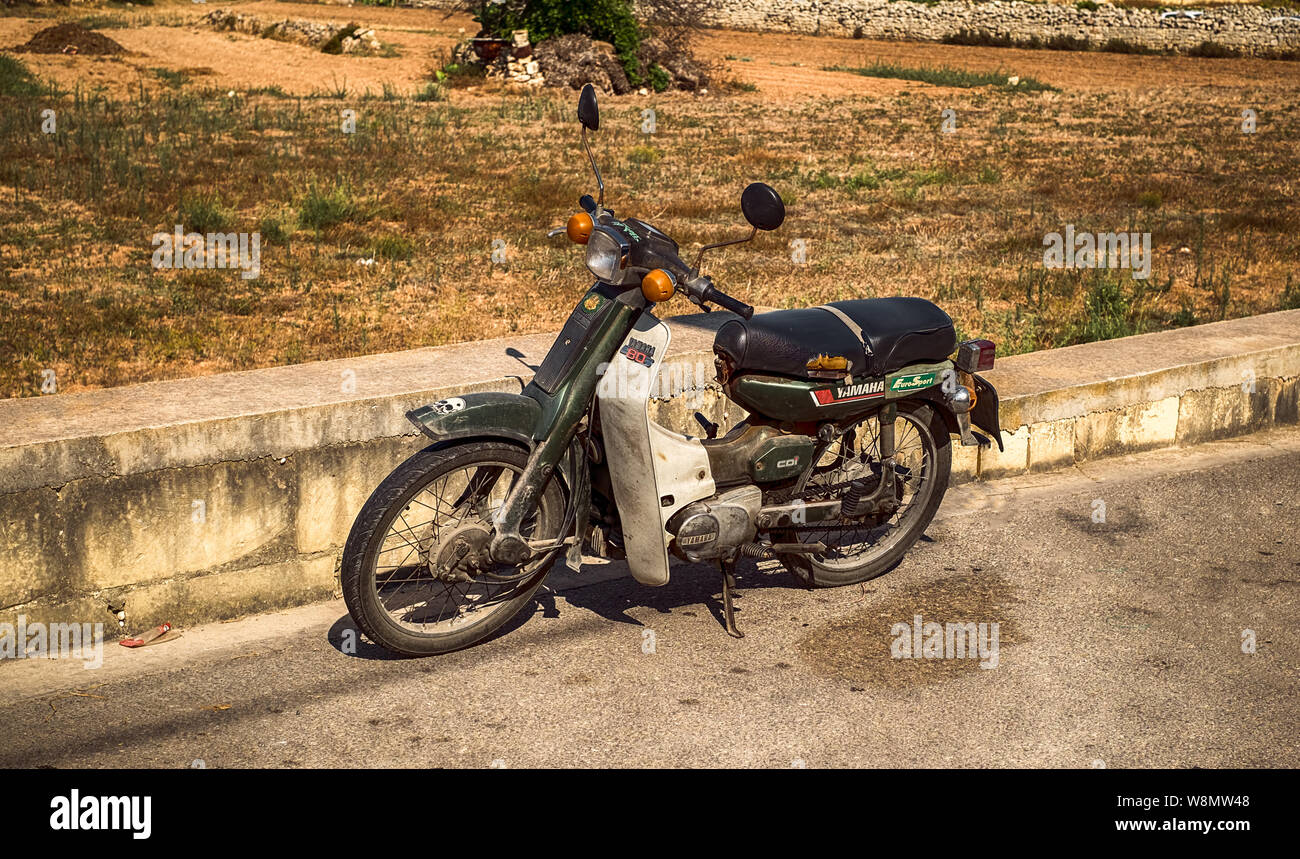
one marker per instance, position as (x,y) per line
(803,343)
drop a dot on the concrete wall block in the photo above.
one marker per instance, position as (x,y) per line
(161,524)
(334,483)
(1144,426)
(33,465)
(72,609)
(33,557)
(965,462)
(1215,413)
(1051,445)
(1013,459)
(232,593)
(1286,408)
(276,434)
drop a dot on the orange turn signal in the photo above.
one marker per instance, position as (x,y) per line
(580,227)
(967,381)
(657,285)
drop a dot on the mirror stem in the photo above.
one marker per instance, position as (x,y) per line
(600,184)
(700,259)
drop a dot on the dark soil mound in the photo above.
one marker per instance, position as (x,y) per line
(70,39)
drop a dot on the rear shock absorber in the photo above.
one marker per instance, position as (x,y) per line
(852,498)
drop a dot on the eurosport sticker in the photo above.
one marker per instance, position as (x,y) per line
(912,383)
(848,393)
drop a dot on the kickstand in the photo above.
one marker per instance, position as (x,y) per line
(728,611)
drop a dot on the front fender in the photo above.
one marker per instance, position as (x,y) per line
(490,414)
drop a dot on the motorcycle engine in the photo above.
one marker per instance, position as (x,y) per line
(715,527)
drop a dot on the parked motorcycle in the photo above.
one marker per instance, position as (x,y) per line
(837,470)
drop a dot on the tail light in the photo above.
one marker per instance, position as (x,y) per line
(975,355)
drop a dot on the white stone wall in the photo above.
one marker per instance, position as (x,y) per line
(1249,29)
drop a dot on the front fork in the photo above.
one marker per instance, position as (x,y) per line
(508,546)
(563,413)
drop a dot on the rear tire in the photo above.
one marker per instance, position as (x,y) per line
(930,431)
(408,491)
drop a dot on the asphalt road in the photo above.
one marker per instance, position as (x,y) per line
(1120,645)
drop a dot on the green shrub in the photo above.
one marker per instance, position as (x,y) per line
(1108,311)
(979,38)
(272,230)
(321,208)
(1062,42)
(16,79)
(659,79)
(204,214)
(943,76)
(1150,200)
(433,91)
(1213,50)
(1291,296)
(392,247)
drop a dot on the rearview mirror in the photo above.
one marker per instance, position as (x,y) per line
(762,207)
(588,113)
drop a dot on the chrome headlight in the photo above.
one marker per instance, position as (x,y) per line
(607,255)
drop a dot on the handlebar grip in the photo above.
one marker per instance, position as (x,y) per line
(740,308)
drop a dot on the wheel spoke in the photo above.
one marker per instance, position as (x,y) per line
(853,544)
(410,591)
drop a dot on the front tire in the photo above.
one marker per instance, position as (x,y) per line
(407,529)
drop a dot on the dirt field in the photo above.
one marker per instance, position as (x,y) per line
(782,66)
(234,130)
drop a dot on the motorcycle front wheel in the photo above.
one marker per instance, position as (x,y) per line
(414,576)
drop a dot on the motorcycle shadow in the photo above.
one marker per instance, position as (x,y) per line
(611,598)
(690,585)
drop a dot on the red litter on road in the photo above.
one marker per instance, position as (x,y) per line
(157,635)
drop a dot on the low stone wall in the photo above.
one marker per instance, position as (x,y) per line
(209,498)
(1245,28)
(1252,30)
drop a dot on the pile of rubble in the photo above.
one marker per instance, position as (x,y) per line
(330,38)
(521,66)
(502,59)
(573,60)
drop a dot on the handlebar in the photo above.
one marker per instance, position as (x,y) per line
(701,290)
(740,308)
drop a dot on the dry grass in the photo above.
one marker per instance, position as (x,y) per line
(883,201)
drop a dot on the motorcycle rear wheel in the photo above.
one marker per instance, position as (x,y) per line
(924,450)
(410,525)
